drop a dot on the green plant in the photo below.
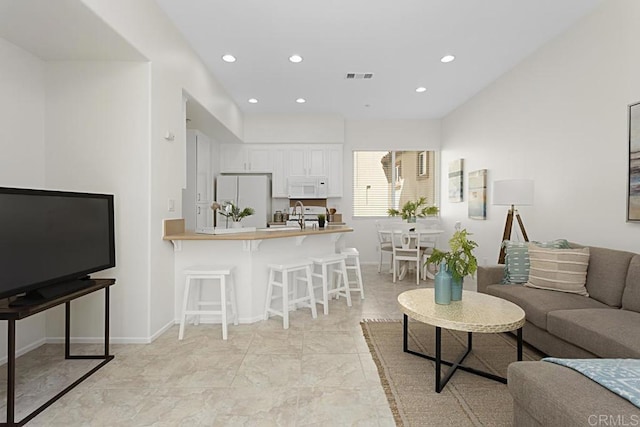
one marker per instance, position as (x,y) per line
(417,208)
(232,211)
(460,259)
(321,217)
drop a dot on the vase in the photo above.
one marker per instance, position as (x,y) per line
(443,285)
(321,223)
(456,288)
(411,219)
(236,224)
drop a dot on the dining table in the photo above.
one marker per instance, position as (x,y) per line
(415,232)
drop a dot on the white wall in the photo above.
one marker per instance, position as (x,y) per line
(97,140)
(295,128)
(175,69)
(22,146)
(378,135)
(560,118)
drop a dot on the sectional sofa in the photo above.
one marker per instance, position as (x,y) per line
(606,324)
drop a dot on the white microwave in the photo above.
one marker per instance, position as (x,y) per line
(307,187)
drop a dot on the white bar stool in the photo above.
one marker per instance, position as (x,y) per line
(353,264)
(211,272)
(324,262)
(288,287)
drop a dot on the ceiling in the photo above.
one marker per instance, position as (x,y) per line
(401,43)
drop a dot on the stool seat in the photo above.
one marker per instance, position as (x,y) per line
(208,272)
(353,264)
(289,289)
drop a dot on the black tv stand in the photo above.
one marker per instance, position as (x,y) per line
(47,293)
(11,313)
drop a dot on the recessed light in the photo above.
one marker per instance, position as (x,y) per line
(447,58)
(295,58)
(421,89)
(301,100)
(253,101)
(228,58)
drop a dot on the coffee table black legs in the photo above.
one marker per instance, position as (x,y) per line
(453,366)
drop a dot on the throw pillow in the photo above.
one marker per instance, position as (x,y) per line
(563,270)
(516,260)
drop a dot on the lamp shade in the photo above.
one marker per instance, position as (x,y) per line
(513,192)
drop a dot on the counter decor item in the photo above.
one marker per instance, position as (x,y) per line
(413,209)
(321,220)
(443,285)
(230,210)
(460,260)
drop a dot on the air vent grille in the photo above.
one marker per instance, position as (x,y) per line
(359,76)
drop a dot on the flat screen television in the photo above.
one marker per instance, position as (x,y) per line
(50,241)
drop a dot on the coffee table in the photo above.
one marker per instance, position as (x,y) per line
(476,312)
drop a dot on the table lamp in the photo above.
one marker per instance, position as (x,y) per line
(512,192)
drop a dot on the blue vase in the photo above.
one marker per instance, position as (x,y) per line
(456,289)
(443,285)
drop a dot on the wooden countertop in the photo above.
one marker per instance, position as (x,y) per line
(174,230)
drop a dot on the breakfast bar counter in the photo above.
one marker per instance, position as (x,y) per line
(250,253)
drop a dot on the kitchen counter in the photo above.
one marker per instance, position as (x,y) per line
(174,230)
(250,253)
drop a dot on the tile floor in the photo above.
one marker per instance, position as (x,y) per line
(319,372)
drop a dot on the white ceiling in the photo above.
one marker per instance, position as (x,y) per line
(401,42)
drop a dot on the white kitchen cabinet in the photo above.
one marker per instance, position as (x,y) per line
(199,190)
(243,158)
(307,160)
(334,159)
(279,173)
(204,215)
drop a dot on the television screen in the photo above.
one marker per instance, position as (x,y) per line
(52,237)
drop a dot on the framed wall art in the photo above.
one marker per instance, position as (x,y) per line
(633,188)
(455,180)
(478,194)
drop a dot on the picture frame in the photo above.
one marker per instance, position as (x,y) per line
(478,194)
(633,182)
(456,177)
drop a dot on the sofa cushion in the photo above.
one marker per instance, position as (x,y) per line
(559,396)
(538,302)
(516,268)
(562,270)
(607,274)
(609,332)
(631,295)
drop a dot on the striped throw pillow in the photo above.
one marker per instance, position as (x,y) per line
(563,270)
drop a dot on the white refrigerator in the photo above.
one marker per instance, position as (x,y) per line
(244,191)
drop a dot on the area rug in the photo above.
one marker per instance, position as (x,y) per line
(409,381)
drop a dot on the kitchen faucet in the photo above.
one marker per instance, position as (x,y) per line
(301,219)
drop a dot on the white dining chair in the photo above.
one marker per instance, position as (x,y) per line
(406,249)
(385,245)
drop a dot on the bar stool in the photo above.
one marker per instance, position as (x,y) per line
(211,272)
(353,264)
(324,262)
(294,267)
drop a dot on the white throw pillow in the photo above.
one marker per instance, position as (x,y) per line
(563,270)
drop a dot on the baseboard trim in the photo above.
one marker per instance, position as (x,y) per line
(24,350)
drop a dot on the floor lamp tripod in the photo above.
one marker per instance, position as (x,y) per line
(512,192)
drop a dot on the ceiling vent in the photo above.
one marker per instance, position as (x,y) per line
(359,76)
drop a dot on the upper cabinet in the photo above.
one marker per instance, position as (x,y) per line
(243,158)
(285,160)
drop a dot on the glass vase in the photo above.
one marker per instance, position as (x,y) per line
(443,285)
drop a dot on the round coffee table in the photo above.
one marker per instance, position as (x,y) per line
(476,312)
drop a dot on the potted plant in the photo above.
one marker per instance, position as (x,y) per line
(460,261)
(230,210)
(321,219)
(412,209)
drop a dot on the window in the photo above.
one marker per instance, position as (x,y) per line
(388,179)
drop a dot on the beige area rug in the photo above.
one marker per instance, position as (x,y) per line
(409,381)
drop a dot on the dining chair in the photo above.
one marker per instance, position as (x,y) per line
(385,245)
(406,248)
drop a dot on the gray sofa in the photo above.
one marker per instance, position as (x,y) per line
(604,325)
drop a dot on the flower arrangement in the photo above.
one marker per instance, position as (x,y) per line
(230,210)
(460,259)
(412,209)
